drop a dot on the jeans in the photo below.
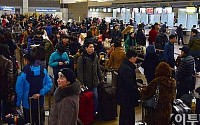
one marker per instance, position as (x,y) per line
(94,90)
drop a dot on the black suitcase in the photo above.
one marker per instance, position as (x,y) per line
(107,108)
(180,109)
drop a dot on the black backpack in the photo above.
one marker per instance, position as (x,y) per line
(161,40)
(140,38)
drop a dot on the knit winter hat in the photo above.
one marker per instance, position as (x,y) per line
(69,74)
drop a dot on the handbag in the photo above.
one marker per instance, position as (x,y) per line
(152,102)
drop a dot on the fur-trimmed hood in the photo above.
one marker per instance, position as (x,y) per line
(73,89)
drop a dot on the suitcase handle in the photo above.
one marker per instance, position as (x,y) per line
(30,98)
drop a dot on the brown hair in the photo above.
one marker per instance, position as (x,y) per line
(163,69)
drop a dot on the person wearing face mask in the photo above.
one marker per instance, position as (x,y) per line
(65,108)
(130,41)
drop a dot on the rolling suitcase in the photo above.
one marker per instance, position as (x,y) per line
(107,108)
(86,108)
(181,109)
(39,112)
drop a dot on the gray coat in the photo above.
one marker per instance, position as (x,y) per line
(88,71)
(65,108)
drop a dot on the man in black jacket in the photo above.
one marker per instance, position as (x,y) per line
(116,33)
(185,71)
(127,90)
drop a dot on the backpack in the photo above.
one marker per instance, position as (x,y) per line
(161,41)
(140,38)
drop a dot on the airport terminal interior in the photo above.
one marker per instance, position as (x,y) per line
(140,58)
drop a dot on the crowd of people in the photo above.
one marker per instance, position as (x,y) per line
(48,41)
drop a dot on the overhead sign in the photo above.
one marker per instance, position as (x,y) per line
(190,10)
(135,10)
(7,8)
(150,10)
(168,10)
(159,10)
(46,10)
(142,10)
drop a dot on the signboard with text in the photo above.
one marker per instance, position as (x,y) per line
(149,10)
(46,10)
(6,8)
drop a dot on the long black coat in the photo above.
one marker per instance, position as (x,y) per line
(127,90)
(149,64)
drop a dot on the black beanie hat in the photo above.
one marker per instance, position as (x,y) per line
(69,74)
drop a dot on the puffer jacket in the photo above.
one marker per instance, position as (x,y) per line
(33,80)
(6,76)
(186,68)
(88,71)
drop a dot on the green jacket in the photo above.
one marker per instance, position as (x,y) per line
(88,71)
(129,43)
(194,44)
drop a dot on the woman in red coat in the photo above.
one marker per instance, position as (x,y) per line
(152,35)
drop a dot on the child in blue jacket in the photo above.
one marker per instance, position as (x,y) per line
(34,82)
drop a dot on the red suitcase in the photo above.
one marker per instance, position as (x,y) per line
(86,108)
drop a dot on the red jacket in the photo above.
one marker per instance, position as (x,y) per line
(152,36)
(4,23)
